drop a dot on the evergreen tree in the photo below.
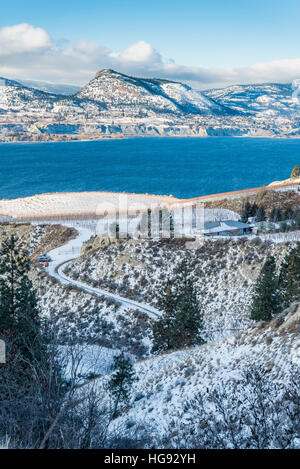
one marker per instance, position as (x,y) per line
(19,319)
(254,209)
(297,218)
(266,300)
(289,213)
(247,212)
(278,216)
(122,378)
(272,215)
(289,277)
(181,322)
(32,387)
(295,172)
(275,215)
(163,328)
(188,319)
(261,214)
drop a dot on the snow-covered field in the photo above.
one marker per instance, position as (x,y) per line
(77,204)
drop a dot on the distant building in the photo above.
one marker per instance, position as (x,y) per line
(226,228)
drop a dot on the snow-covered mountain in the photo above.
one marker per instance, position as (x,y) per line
(269,99)
(16,97)
(113,91)
(119,91)
(48,87)
(117,105)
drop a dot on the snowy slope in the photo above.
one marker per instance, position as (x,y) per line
(224,273)
(16,97)
(117,90)
(239,392)
(268,99)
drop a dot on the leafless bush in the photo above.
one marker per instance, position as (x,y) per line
(40,407)
(252,412)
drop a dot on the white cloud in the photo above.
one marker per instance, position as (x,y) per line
(22,38)
(141,52)
(28,52)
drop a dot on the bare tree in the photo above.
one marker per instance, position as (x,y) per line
(252,411)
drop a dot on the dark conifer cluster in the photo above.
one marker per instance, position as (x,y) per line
(182,320)
(274,290)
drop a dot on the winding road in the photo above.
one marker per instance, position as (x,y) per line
(65,254)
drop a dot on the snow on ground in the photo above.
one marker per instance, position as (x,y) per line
(169,383)
(218,214)
(224,272)
(80,317)
(163,397)
(70,251)
(78,204)
(84,361)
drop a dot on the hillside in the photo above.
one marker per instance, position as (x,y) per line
(114,105)
(224,272)
(148,97)
(239,392)
(269,99)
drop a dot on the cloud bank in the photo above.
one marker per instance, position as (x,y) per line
(29,52)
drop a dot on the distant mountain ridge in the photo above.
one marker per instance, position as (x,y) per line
(267,98)
(48,87)
(115,105)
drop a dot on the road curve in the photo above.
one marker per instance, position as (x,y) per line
(70,251)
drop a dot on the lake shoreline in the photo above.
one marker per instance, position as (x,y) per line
(146,137)
(94,204)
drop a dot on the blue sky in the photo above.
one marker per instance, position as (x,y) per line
(193,34)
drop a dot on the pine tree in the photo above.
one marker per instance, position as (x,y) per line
(289,277)
(188,322)
(295,172)
(247,212)
(163,328)
(254,209)
(31,381)
(289,213)
(275,215)
(121,381)
(19,319)
(272,215)
(266,300)
(261,214)
(181,322)
(297,218)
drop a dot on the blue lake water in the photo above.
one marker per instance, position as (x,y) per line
(184,167)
